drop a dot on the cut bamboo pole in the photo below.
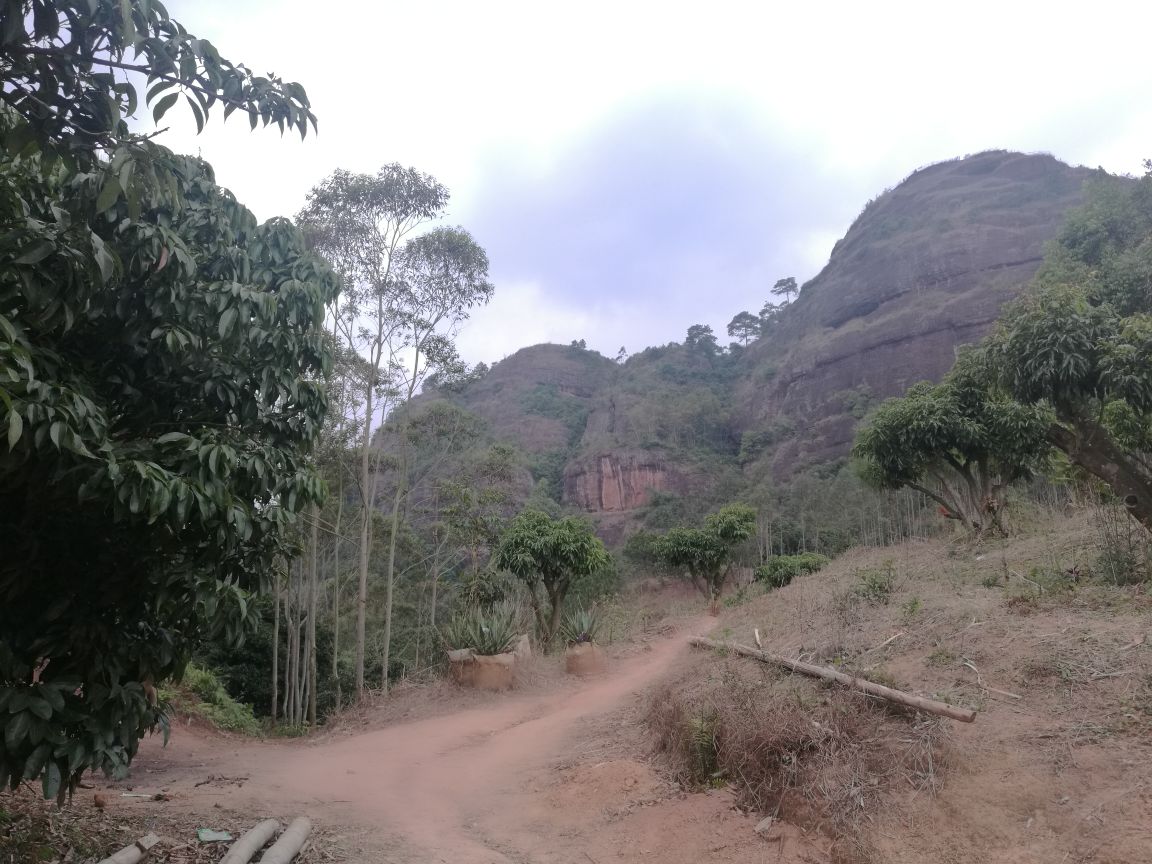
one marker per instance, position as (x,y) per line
(134,853)
(251,843)
(964,715)
(290,842)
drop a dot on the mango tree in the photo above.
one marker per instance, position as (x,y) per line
(160,353)
(1080,341)
(959,442)
(706,553)
(548,555)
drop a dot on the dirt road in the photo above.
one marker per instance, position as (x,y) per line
(483,786)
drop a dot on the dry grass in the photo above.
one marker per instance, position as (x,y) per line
(814,756)
(1057,662)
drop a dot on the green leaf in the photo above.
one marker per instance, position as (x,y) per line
(109,194)
(196,112)
(227,320)
(40,708)
(35,762)
(16,730)
(172,437)
(15,428)
(52,779)
(163,105)
(37,253)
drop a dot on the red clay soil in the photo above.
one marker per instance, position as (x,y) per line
(558,777)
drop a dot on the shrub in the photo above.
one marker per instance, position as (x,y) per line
(215,705)
(782,569)
(486,632)
(876,586)
(581,625)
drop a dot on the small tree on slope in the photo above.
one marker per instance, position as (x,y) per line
(958,442)
(706,553)
(548,555)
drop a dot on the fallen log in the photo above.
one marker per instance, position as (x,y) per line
(290,842)
(251,842)
(964,715)
(134,853)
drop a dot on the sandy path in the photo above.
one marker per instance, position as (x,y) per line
(474,787)
(435,782)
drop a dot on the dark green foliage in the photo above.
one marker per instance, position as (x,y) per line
(160,358)
(755,442)
(215,704)
(959,442)
(706,553)
(549,556)
(745,327)
(782,569)
(701,339)
(1081,340)
(60,62)
(786,288)
(486,631)
(547,401)
(580,625)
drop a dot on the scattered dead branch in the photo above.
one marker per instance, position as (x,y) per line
(920,703)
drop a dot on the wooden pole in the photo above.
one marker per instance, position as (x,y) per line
(252,842)
(135,852)
(290,842)
(964,715)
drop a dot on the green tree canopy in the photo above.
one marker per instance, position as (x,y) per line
(160,360)
(958,442)
(786,288)
(550,554)
(61,65)
(744,326)
(1080,340)
(701,338)
(706,552)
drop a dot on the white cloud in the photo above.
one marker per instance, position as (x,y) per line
(865,92)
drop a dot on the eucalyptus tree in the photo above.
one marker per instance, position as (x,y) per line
(405,296)
(160,357)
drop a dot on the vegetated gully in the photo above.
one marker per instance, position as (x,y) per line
(441,789)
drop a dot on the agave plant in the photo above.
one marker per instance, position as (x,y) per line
(486,632)
(581,625)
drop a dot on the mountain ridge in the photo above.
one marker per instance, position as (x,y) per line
(923,269)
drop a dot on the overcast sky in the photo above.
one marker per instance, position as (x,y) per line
(634,168)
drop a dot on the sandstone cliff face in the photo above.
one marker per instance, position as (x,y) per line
(615,482)
(923,270)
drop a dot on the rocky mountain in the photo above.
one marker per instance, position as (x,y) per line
(924,269)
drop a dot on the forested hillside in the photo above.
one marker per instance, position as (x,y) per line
(666,433)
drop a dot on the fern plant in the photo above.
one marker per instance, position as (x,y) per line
(580,626)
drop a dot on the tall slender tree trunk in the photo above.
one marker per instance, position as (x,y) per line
(275,650)
(336,590)
(313,591)
(390,581)
(365,527)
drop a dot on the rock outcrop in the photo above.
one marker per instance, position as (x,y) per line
(924,269)
(614,482)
